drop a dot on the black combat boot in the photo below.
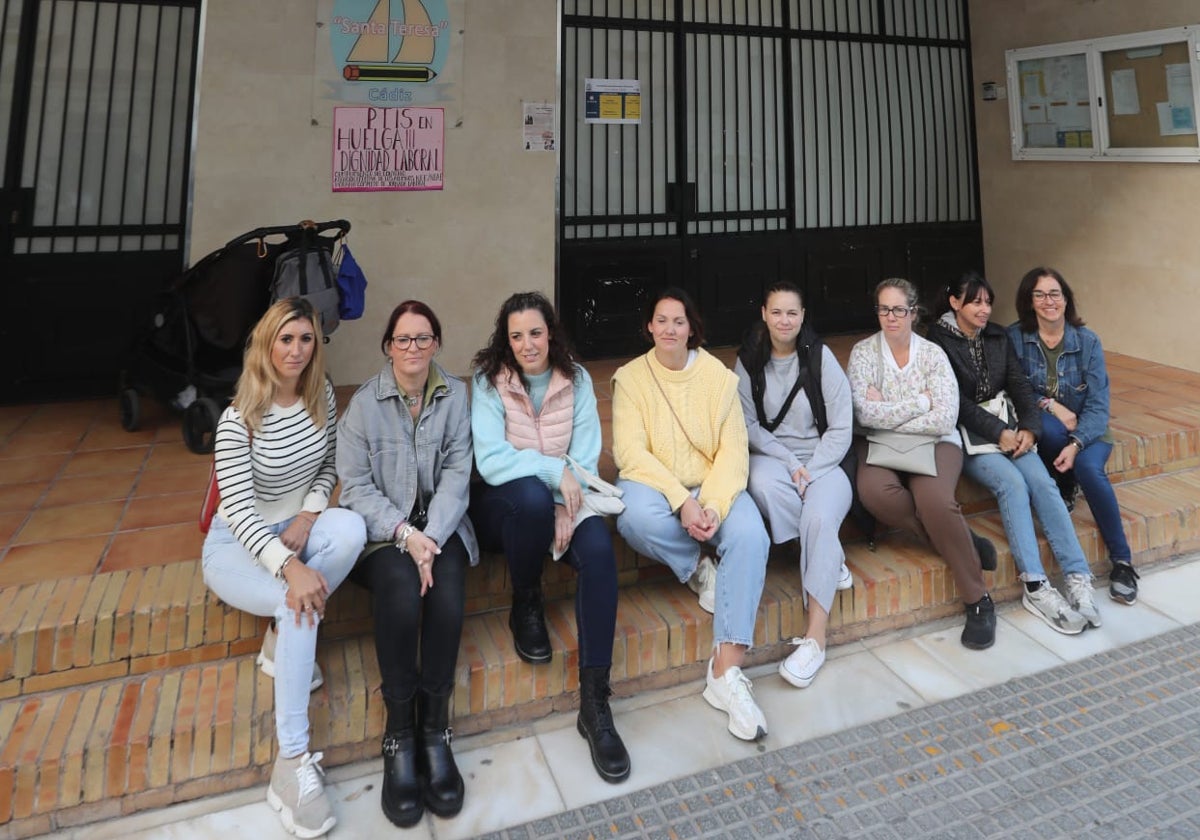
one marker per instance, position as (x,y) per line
(527,620)
(595,723)
(441,783)
(401,793)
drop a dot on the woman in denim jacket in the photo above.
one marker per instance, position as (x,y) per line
(1064,362)
(404,460)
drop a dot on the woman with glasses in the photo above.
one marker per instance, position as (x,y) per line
(796,402)
(533,408)
(275,547)
(405,465)
(902,383)
(1064,363)
(985,364)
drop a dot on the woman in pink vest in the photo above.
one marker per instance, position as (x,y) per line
(532,406)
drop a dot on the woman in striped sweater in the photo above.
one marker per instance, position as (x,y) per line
(275,548)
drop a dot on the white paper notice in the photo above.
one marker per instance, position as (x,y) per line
(1175,119)
(1179,85)
(1124,90)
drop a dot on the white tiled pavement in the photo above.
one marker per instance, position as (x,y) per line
(531,771)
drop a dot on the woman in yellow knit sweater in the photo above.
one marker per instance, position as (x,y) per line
(679,440)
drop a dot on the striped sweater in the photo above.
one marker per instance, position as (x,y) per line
(287,467)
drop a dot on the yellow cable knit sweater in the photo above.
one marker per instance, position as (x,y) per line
(649,447)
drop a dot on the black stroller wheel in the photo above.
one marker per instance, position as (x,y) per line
(200,425)
(131,409)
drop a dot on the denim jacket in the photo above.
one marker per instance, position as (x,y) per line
(1082,376)
(384,457)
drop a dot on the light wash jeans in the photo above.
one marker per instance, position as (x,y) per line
(1022,487)
(652,529)
(333,546)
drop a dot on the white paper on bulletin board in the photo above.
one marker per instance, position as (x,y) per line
(1124,91)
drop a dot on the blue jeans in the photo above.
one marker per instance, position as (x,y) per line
(1097,489)
(242,582)
(517,518)
(653,530)
(1021,487)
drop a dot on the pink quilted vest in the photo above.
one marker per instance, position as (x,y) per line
(549,432)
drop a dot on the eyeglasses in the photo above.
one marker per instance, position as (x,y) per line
(423,341)
(898,311)
(1053,294)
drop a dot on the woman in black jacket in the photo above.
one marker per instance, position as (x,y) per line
(986,365)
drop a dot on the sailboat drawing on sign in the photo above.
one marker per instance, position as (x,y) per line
(413,56)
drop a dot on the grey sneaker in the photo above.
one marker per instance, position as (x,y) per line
(733,692)
(1081,597)
(1122,583)
(266,659)
(297,792)
(1047,604)
(704,583)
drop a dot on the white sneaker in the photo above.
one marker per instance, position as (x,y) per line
(1081,597)
(845,579)
(734,693)
(1047,604)
(297,792)
(801,667)
(266,659)
(704,583)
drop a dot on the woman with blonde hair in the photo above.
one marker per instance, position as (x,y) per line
(275,548)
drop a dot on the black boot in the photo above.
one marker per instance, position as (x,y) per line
(986,552)
(441,783)
(401,793)
(595,723)
(527,620)
(980,630)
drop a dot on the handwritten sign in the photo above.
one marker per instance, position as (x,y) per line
(388,149)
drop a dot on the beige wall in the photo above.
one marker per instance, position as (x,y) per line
(260,160)
(1125,235)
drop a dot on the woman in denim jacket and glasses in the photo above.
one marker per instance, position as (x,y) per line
(404,459)
(1064,362)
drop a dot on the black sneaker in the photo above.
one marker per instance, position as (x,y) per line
(986,552)
(1122,583)
(980,630)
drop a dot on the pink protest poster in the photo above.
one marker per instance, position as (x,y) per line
(388,149)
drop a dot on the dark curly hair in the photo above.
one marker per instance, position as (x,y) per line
(498,354)
(1025,313)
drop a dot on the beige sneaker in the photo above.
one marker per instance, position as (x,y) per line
(297,792)
(733,693)
(704,583)
(266,659)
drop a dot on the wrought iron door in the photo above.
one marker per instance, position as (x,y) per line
(96,112)
(829,142)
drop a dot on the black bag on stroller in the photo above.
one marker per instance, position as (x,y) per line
(190,358)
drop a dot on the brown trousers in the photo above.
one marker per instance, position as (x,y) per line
(925,505)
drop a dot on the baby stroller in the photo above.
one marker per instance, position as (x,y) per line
(191,356)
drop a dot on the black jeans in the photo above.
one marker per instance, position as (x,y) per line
(405,622)
(518,519)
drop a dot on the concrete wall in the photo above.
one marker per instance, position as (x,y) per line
(1123,234)
(261,160)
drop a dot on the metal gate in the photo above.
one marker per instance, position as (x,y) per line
(96,111)
(825,141)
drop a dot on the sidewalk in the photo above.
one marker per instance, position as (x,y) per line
(901,736)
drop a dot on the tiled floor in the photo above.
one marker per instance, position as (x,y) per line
(80,495)
(523,773)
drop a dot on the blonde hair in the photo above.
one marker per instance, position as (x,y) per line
(259,381)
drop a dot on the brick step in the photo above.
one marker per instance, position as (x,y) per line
(76,631)
(143,736)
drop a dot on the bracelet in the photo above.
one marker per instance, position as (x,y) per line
(1046,404)
(283,565)
(1078,444)
(406,531)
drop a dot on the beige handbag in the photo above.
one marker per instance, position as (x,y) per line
(900,451)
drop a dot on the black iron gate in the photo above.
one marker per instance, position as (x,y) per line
(96,113)
(830,142)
